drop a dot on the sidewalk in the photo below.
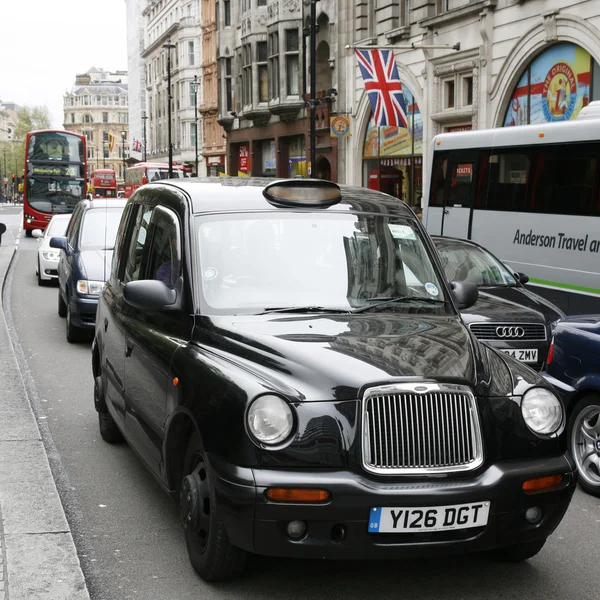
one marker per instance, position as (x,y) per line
(38,559)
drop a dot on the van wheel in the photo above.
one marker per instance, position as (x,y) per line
(62,307)
(211,553)
(517,552)
(583,431)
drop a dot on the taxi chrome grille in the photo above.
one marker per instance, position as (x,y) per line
(418,429)
(509,332)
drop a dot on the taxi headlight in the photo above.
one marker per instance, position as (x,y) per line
(92,288)
(542,411)
(50,255)
(270,419)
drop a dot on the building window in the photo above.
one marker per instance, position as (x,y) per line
(193,134)
(441,6)
(191,54)
(449,94)
(105,117)
(104,100)
(404,10)
(263,71)
(291,61)
(274,64)
(227,12)
(247,73)
(72,117)
(88,119)
(123,118)
(261,2)
(467,91)
(228,89)
(365,20)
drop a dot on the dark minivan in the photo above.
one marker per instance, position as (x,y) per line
(84,263)
(288,360)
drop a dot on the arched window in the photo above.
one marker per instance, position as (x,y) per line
(393,156)
(555,86)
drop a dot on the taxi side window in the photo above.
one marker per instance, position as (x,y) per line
(164,255)
(122,240)
(138,246)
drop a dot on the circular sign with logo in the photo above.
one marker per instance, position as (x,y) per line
(559,93)
(340,126)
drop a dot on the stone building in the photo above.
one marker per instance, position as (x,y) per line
(97,107)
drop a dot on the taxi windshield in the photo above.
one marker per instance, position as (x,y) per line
(334,261)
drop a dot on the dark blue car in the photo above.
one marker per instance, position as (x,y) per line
(84,264)
(573,365)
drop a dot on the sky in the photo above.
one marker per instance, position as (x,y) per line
(44,44)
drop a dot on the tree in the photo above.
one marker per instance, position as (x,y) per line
(29,119)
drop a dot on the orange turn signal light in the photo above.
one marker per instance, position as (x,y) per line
(541,134)
(540,484)
(298,495)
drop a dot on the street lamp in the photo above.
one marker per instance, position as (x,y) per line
(195,85)
(5,171)
(168,46)
(123,136)
(313,85)
(144,119)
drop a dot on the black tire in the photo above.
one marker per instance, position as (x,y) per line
(73,333)
(518,552)
(585,447)
(210,552)
(109,430)
(39,274)
(62,307)
(29,232)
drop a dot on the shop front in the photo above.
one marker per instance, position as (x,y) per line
(393,156)
(215,165)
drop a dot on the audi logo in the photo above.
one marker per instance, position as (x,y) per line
(510,332)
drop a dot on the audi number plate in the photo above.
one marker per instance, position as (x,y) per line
(527,356)
(428,518)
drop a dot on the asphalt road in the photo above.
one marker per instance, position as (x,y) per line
(127,530)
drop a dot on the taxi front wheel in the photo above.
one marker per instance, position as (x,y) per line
(211,553)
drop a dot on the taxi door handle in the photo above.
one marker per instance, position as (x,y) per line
(105,323)
(128,349)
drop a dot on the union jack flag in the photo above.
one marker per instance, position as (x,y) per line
(136,145)
(382,82)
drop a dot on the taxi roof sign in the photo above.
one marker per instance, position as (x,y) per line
(303,193)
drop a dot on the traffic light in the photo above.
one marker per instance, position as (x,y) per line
(13,177)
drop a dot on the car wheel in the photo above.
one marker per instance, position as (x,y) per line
(62,307)
(29,232)
(584,442)
(517,552)
(39,274)
(210,552)
(109,430)
(74,334)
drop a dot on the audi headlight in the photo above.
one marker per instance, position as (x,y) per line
(92,288)
(542,411)
(50,255)
(270,420)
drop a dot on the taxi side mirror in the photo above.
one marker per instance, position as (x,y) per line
(465,293)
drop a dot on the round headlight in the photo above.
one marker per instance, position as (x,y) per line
(270,419)
(542,411)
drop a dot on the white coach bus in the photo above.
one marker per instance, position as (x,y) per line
(531,195)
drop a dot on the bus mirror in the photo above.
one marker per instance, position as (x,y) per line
(522,278)
(60,243)
(465,293)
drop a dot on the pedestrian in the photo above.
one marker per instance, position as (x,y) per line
(2,230)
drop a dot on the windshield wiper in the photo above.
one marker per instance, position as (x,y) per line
(304,309)
(399,299)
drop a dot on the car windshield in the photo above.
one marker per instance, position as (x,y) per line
(99,229)
(57,226)
(314,261)
(466,262)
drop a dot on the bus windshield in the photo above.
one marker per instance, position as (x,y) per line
(53,194)
(53,146)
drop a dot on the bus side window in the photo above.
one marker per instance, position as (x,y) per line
(438,181)
(506,181)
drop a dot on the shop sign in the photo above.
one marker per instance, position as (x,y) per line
(459,128)
(244,159)
(216,161)
(395,140)
(269,156)
(339,126)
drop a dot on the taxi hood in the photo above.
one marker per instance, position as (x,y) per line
(324,357)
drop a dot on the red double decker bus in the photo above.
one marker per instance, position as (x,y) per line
(55,176)
(103,183)
(145,172)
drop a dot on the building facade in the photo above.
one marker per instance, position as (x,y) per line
(264,87)
(97,107)
(137,77)
(496,63)
(173,52)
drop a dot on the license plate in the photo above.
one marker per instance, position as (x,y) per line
(428,518)
(528,356)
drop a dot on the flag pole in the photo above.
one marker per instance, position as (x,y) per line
(412,46)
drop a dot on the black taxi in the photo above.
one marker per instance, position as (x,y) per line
(288,360)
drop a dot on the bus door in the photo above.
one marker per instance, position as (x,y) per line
(458,197)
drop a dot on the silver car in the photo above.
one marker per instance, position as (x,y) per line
(47,258)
